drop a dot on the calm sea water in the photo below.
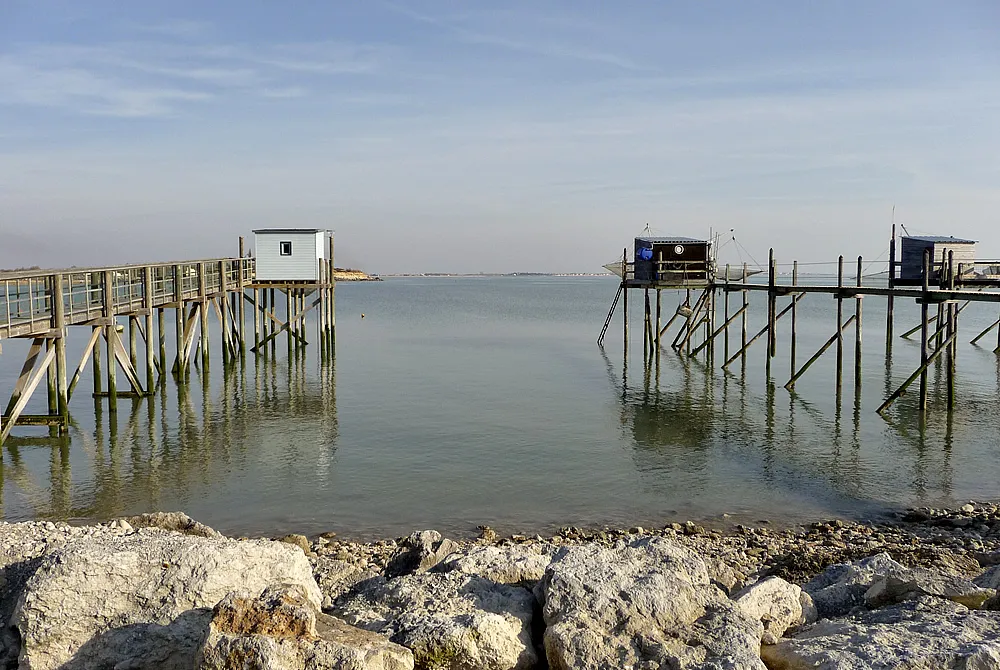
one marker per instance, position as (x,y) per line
(461,401)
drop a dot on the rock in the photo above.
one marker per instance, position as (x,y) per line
(281,629)
(923,634)
(523,565)
(178,522)
(336,577)
(418,553)
(449,620)
(842,587)
(647,604)
(141,600)
(487,534)
(968,509)
(908,583)
(776,604)
(300,541)
(989,579)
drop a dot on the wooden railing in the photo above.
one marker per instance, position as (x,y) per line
(26,298)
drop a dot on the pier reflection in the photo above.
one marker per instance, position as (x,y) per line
(176,446)
(683,418)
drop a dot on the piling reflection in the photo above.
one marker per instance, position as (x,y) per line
(175,445)
(683,417)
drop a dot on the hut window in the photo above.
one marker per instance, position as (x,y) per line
(285,248)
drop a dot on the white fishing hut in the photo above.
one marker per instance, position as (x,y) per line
(291,254)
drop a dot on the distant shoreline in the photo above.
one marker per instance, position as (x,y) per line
(499,274)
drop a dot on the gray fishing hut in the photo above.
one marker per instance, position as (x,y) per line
(911,265)
(671,262)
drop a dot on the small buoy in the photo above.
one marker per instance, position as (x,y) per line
(362,315)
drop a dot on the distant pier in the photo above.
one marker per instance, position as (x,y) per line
(126,309)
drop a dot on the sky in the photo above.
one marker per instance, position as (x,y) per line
(494,136)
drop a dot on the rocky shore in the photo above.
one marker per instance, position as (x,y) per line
(164,591)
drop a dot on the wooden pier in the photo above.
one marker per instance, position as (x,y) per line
(931,280)
(120,305)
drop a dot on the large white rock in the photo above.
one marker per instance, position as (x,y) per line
(419,552)
(841,587)
(909,583)
(519,564)
(280,630)
(778,606)
(648,604)
(449,620)
(336,577)
(924,634)
(141,600)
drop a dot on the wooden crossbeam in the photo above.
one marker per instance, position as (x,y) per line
(25,376)
(719,330)
(815,357)
(95,337)
(271,316)
(29,388)
(286,326)
(795,299)
(126,363)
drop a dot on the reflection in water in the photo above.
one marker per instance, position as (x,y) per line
(687,425)
(133,460)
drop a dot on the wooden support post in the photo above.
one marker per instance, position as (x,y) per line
(110,335)
(951,333)
(725,311)
(161,334)
(743,319)
(857,332)
(31,383)
(795,326)
(923,329)
(59,322)
(289,322)
(150,351)
(625,299)
(179,322)
(241,308)
(256,316)
(645,324)
(333,297)
(771,309)
(133,343)
(224,332)
(98,372)
(829,343)
(203,311)
(890,300)
(273,324)
(687,329)
(656,342)
(840,324)
(985,332)
(50,380)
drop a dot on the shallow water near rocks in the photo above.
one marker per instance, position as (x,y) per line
(457,402)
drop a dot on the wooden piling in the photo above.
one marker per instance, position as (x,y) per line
(656,341)
(840,324)
(161,333)
(923,329)
(59,316)
(771,304)
(147,305)
(743,319)
(224,330)
(203,313)
(725,312)
(795,332)
(289,311)
(952,333)
(98,372)
(890,299)
(241,306)
(110,333)
(625,299)
(857,333)
(179,323)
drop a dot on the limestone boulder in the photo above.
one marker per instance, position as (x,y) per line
(778,606)
(645,604)
(899,585)
(336,577)
(143,599)
(927,633)
(449,620)
(520,564)
(281,630)
(841,587)
(178,522)
(418,553)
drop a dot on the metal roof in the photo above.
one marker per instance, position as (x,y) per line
(291,230)
(671,240)
(934,239)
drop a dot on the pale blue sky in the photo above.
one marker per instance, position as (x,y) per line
(475,136)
